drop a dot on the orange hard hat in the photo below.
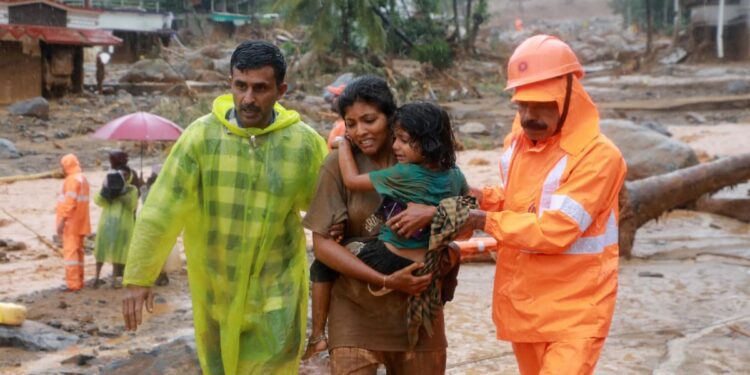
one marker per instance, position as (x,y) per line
(540,58)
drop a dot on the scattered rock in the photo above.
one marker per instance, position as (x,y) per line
(39,138)
(222,65)
(78,360)
(695,118)
(473,128)
(650,274)
(151,70)
(175,357)
(675,57)
(35,336)
(8,150)
(647,152)
(211,76)
(738,87)
(186,71)
(61,134)
(213,51)
(4,242)
(4,257)
(62,305)
(657,127)
(15,245)
(36,107)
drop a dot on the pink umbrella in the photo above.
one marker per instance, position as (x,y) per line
(139,126)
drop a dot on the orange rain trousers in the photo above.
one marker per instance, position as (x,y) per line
(561,357)
(73,259)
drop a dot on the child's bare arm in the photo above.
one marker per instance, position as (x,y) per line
(349,171)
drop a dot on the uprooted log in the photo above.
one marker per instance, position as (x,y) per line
(738,208)
(55,173)
(647,199)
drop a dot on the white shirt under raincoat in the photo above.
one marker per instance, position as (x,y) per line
(237,192)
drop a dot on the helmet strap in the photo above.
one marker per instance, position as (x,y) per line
(566,104)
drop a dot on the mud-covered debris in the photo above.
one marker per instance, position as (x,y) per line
(35,336)
(479,161)
(175,357)
(695,118)
(473,128)
(35,107)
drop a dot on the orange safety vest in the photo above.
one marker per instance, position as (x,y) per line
(73,200)
(555,218)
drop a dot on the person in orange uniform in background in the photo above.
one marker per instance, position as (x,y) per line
(339,127)
(555,216)
(73,222)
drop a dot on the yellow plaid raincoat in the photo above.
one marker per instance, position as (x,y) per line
(237,192)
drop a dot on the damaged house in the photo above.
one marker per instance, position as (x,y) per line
(720,28)
(41,47)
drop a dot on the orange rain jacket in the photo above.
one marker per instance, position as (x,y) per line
(555,217)
(73,201)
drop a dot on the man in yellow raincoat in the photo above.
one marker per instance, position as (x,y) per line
(236,181)
(554,217)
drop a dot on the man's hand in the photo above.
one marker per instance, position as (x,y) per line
(132,305)
(476,220)
(476,193)
(336,231)
(403,280)
(413,218)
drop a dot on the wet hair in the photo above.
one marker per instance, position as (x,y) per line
(370,89)
(118,159)
(429,128)
(255,54)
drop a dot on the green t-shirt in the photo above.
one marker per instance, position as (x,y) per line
(413,183)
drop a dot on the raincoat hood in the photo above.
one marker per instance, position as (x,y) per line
(70,164)
(582,123)
(224,103)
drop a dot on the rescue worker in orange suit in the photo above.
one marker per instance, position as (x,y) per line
(339,127)
(73,222)
(554,215)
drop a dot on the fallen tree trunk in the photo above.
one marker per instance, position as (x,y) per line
(735,208)
(647,199)
(56,173)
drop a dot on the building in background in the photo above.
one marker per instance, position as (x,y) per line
(41,47)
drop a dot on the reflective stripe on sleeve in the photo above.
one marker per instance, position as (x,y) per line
(573,209)
(594,244)
(551,183)
(505,163)
(597,244)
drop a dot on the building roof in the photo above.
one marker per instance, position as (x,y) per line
(51,3)
(58,35)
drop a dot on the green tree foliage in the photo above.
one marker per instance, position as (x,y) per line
(634,12)
(344,25)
